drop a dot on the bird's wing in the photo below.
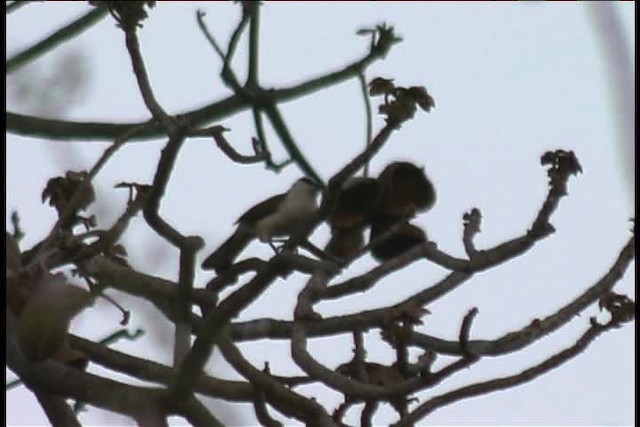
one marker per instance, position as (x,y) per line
(261,210)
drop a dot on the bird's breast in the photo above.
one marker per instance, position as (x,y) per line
(284,221)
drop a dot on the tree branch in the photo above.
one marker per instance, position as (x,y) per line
(506,382)
(68,32)
(57,410)
(285,400)
(147,370)
(87,131)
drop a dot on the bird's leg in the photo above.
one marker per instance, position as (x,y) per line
(273,246)
(319,253)
(280,243)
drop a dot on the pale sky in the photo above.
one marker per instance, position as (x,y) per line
(510,80)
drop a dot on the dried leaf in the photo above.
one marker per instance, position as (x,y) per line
(60,190)
(420,95)
(380,86)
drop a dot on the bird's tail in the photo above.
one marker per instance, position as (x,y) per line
(226,254)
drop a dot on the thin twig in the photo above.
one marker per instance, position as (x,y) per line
(506,382)
(260,406)
(216,321)
(472,220)
(465,330)
(359,356)
(57,410)
(23,124)
(15,5)
(217,133)
(67,33)
(368,115)
(253,10)
(228,76)
(282,130)
(516,340)
(200,14)
(283,399)
(76,200)
(147,370)
(139,69)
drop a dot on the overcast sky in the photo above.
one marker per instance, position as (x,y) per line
(510,80)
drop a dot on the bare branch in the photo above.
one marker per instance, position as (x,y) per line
(369,118)
(148,370)
(260,407)
(465,330)
(471,221)
(538,328)
(200,14)
(506,382)
(230,275)
(252,9)
(217,133)
(68,32)
(55,378)
(359,356)
(217,320)
(137,62)
(57,410)
(197,414)
(65,130)
(283,399)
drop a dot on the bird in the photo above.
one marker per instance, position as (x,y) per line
(357,200)
(391,237)
(277,216)
(406,190)
(345,243)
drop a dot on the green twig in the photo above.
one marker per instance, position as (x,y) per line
(69,32)
(15,5)
(121,334)
(22,124)
(254,43)
(228,76)
(200,14)
(290,145)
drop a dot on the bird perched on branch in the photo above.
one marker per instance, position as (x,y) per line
(391,237)
(406,191)
(278,216)
(356,203)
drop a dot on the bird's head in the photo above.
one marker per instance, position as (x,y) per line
(307,185)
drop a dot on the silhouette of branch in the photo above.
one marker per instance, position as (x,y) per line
(283,399)
(506,382)
(59,379)
(66,33)
(369,117)
(216,132)
(139,69)
(147,370)
(516,340)
(23,124)
(57,410)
